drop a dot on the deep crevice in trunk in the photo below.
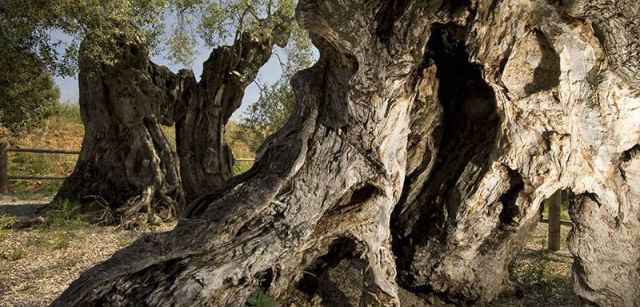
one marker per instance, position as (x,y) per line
(339,249)
(508,200)
(466,186)
(467,133)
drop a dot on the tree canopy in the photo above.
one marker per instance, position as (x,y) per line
(50,31)
(42,38)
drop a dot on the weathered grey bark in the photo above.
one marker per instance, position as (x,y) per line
(205,158)
(126,165)
(568,113)
(423,142)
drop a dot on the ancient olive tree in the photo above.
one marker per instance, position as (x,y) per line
(127,166)
(421,146)
(113,107)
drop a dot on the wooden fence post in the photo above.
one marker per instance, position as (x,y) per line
(4,162)
(554,221)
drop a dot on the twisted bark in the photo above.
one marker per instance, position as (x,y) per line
(568,114)
(126,167)
(423,142)
(206,159)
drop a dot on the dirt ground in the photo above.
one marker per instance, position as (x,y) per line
(39,262)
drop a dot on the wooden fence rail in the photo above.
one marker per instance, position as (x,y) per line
(4,164)
(44,150)
(554,202)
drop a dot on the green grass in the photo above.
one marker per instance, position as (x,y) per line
(6,222)
(542,277)
(170,134)
(67,114)
(62,225)
(12,254)
(64,130)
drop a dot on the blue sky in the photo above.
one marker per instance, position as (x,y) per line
(269,73)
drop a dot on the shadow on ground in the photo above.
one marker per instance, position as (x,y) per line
(22,209)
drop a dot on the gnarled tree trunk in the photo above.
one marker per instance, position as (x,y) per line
(205,157)
(126,165)
(423,142)
(557,112)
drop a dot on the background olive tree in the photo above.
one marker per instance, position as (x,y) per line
(109,43)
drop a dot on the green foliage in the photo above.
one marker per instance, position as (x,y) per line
(48,33)
(6,222)
(41,38)
(222,21)
(260,299)
(27,99)
(266,115)
(11,254)
(40,30)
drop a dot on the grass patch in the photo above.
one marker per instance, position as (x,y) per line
(6,221)
(543,277)
(66,114)
(12,254)
(64,130)
(170,134)
(260,299)
(125,241)
(5,226)
(63,225)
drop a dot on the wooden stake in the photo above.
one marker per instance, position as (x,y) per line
(4,162)
(554,221)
